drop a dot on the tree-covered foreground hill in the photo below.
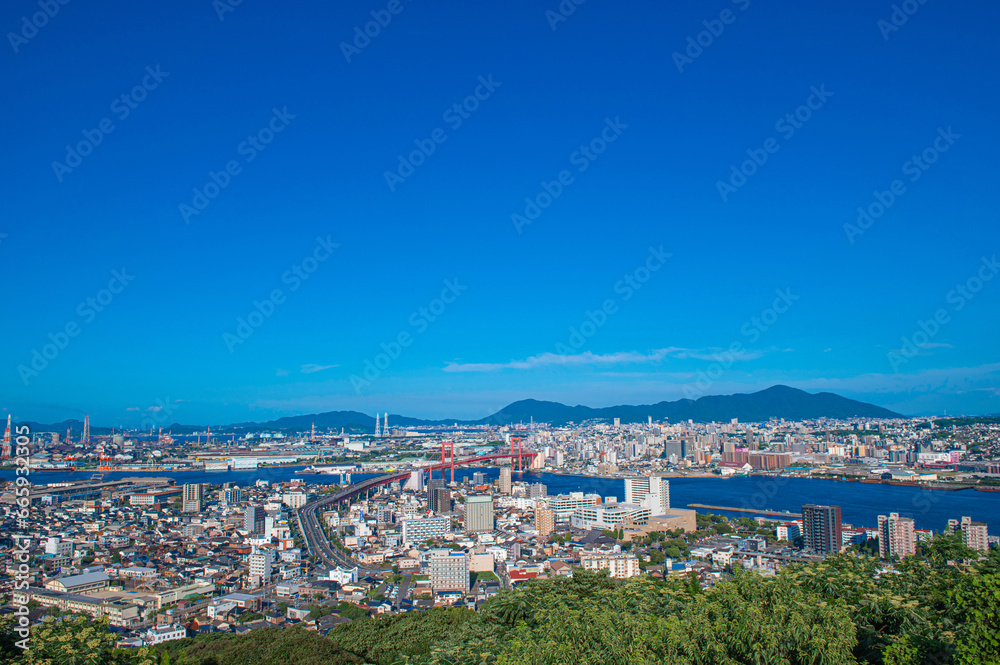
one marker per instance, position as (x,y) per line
(844,610)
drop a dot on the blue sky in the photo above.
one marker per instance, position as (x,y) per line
(678,277)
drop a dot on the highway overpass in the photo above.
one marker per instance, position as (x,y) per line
(309,516)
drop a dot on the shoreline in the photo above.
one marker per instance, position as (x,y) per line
(931,485)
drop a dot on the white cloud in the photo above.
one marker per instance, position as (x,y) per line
(281,372)
(311,368)
(622,357)
(906,353)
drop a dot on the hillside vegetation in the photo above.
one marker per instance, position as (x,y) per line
(846,609)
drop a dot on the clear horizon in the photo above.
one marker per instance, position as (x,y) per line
(160,415)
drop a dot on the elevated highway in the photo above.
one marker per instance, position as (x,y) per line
(309,516)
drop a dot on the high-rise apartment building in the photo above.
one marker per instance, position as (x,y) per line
(478,513)
(821,528)
(975,534)
(896,536)
(191,502)
(449,570)
(537,491)
(504,482)
(253,519)
(439,500)
(652,492)
(260,567)
(545,521)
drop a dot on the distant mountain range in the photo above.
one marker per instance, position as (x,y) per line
(774,402)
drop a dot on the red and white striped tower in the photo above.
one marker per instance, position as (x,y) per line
(7,450)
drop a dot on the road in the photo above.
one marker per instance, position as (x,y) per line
(404,588)
(308,516)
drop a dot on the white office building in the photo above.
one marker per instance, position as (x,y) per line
(162,634)
(564,505)
(427,528)
(344,576)
(449,570)
(619,564)
(58,547)
(789,531)
(294,500)
(650,491)
(612,516)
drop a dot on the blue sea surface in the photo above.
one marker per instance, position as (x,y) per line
(860,503)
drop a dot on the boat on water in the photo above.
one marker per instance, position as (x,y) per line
(308,471)
(54,468)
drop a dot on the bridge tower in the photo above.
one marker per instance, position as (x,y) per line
(451,447)
(6,440)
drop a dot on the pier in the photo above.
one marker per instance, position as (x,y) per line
(766,513)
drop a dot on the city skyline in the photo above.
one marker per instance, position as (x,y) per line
(250,212)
